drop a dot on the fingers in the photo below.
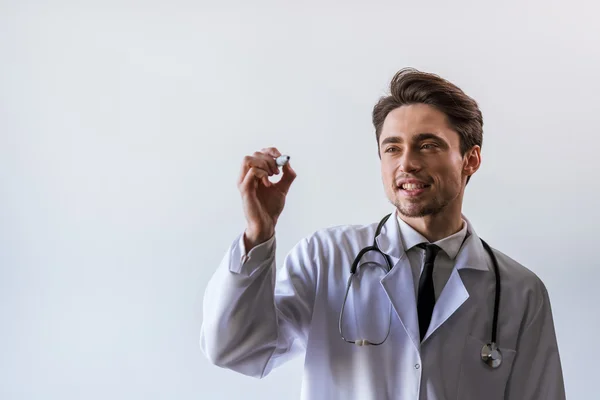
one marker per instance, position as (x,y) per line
(264,160)
(271,151)
(250,180)
(288,177)
(258,163)
(269,160)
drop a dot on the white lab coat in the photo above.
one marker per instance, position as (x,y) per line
(257,316)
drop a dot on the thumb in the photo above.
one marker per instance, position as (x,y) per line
(289,175)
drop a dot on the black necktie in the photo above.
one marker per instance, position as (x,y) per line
(426,296)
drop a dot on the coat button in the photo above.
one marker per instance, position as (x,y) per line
(417,366)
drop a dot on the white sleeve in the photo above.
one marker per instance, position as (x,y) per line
(537,371)
(255,315)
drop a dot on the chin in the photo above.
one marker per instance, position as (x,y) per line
(416,210)
(413,212)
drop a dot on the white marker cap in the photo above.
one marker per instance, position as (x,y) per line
(282,160)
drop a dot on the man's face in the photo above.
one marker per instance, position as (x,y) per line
(421,165)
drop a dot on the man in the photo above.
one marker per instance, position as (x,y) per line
(430,318)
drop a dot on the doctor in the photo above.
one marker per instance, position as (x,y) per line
(422,304)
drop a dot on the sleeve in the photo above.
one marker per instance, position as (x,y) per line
(537,371)
(256,316)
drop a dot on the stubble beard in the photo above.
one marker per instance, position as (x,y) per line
(432,208)
(419,208)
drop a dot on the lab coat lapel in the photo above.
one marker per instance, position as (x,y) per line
(454,294)
(452,297)
(398,283)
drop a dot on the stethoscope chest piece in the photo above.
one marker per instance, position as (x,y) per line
(491,355)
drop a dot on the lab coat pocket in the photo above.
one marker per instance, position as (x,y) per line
(477,380)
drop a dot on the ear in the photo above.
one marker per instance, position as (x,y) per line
(472,161)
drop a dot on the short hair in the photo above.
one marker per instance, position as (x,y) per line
(411,86)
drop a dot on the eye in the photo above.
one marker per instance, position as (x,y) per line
(391,149)
(428,146)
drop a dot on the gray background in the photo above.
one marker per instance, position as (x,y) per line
(122,129)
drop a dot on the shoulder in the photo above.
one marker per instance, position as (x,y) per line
(328,242)
(515,270)
(342,235)
(327,250)
(521,284)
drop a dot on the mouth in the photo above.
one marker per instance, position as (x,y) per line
(413,189)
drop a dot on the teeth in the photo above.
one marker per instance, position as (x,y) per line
(413,186)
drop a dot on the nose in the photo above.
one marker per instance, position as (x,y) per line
(409,162)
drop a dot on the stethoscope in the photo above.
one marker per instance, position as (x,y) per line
(490,353)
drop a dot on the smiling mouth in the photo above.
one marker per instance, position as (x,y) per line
(413,190)
(414,186)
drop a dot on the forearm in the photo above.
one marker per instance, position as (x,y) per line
(240,328)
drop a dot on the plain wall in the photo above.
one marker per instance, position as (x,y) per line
(122,130)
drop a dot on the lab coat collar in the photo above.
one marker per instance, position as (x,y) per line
(471,254)
(450,244)
(399,285)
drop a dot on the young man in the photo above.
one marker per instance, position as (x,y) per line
(426,322)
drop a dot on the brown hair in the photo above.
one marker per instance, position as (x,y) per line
(410,86)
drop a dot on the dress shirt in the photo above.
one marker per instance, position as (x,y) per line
(444,262)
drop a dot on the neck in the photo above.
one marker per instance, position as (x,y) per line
(437,226)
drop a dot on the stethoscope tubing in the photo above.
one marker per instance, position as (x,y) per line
(490,353)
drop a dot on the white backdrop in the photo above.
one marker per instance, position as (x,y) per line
(122,129)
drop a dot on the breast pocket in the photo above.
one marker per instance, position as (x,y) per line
(478,380)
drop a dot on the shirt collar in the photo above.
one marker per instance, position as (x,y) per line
(450,244)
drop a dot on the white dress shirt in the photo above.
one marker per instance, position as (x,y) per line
(444,261)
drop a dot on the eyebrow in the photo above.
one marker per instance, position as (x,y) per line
(419,138)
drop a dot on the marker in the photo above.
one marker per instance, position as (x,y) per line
(282,160)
